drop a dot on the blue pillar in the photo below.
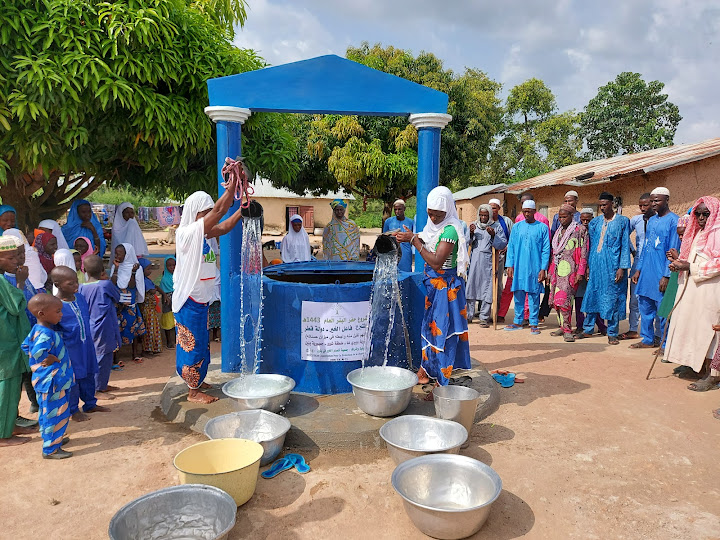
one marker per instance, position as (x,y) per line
(428,177)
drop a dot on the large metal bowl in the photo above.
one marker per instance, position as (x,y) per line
(376,400)
(268,429)
(188,511)
(413,435)
(260,391)
(447,496)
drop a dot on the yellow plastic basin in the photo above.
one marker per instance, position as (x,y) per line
(229,464)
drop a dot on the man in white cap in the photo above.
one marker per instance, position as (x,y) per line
(397,223)
(528,256)
(652,272)
(14,328)
(571,198)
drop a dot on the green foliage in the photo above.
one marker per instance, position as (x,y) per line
(94,92)
(535,137)
(117,196)
(371,216)
(629,115)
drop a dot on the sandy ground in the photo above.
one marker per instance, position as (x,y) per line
(586,448)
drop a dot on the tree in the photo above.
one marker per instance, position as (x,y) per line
(376,157)
(535,138)
(628,115)
(94,92)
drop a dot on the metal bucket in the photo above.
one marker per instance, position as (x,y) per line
(383,402)
(415,435)
(457,403)
(268,429)
(446,496)
(229,464)
(189,511)
(260,391)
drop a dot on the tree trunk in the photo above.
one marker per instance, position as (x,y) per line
(387,210)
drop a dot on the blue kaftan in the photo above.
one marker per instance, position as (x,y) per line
(393,223)
(528,252)
(660,237)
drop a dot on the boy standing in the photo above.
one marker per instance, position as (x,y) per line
(14,326)
(74,328)
(102,295)
(52,375)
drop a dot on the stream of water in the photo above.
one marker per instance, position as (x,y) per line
(383,305)
(251,296)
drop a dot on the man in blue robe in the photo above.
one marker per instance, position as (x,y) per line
(639,225)
(608,261)
(527,259)
(652,272)
(398,222)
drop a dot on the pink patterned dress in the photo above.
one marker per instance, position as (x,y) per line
(568,260)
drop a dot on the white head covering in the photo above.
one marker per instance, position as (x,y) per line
(125,272)
(127,231)
(660,191)
(64,257)
(587,211)
(572,193)
(296,245)
(56,231)
(38,275)
(529,204)
(479,224)
(441,198)
(495,201)
(189,247)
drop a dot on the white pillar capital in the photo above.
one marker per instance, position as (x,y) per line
(429,120)
(223,113)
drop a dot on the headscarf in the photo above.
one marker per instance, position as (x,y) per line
(42,240)
(561,238)
(338,202)
(4,208)
(708,239)
(295,246)
(73,230)
(127,231)
(684,220)
(166,282)
(479,224)
(87,254)
(440,198)
(64,257)
(144,263)
(189,239)
(37,272)
(125,272)
(56,231)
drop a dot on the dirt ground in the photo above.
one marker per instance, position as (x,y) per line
(586,448)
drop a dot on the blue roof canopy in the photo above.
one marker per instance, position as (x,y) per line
(325,85)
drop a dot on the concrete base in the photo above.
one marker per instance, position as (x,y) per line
(317,421)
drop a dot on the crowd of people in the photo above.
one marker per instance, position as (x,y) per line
(66,316)
(669,265)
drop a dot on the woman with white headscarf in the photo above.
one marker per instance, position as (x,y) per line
(127,274)
(444,328)
(51,226)
(194,281)
(295,247)
(125,230)
(486,234)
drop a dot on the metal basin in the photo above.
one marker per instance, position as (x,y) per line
(260,391)
(178,512)
(447,496)
(268,429)
(457,403)
(413,435)
(382,391)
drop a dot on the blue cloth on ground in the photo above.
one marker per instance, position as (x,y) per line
(287,462)
(506,381)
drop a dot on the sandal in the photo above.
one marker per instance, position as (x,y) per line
(534,331)
(139,360)
(629,335)
(613,340)
(116,367)
(568,337)
(583,335)
(641,345)
(557,333)
(512,327)
(484,324)
(703,385)
(120,363)
(716,414)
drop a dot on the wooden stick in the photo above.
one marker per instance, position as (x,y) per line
(495,284)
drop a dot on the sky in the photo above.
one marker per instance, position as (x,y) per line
(573,46)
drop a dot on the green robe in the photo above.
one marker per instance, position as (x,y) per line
(14,328)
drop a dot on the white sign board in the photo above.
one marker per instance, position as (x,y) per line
(334,331)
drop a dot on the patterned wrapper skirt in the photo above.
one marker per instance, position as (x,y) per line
(152,339)
(214,321)
(444,328)
(192,352)
(131,323)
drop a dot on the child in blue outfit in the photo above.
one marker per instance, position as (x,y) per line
(74,328)
(52,375)
(102,295)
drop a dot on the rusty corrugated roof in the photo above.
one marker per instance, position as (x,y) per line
(477,191)
(606,170)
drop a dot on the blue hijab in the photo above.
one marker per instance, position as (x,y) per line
(149,285)
(72,229)
(166,283)
(4,208)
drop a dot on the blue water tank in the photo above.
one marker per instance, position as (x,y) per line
(286,286)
